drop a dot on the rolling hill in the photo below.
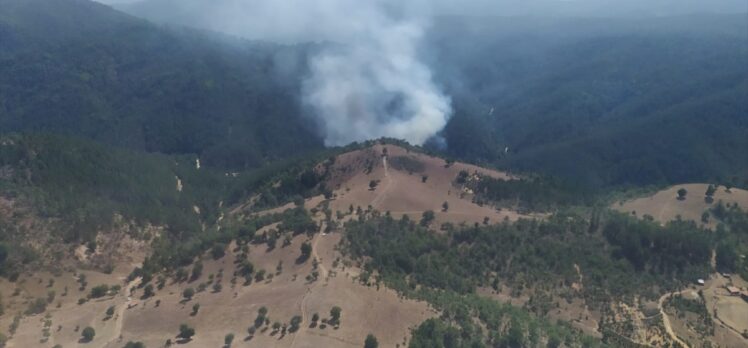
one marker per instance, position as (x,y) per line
(81,68)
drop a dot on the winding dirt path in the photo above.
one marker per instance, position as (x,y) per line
(666,319)
(119,316)
(382,192)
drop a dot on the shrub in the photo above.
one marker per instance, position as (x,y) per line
(88,334)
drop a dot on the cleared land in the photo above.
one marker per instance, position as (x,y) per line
(423,183)
(665,206)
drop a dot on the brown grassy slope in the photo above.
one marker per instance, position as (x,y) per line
(664,205)
(401,191)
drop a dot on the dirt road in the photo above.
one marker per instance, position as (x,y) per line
(666,319)
(383,191)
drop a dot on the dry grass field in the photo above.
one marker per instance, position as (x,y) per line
(665,206)
(405,192)
(365,309)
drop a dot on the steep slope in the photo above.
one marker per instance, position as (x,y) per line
(81,68)
(600,102)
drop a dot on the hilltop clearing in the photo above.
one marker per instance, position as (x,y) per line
(410,183)
(665,205)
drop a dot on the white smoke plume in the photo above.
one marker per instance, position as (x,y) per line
(374,85)
(367,83)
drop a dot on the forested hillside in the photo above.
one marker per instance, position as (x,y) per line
(84,69)
(601,102)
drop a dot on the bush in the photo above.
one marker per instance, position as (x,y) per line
(88,334)
(371,342)
(99,291)
(186,332)
(188,293)
(37,306)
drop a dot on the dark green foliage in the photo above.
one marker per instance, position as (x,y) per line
(86,183)
(218,251)
(732,236)
(188,293)
(682,193)
(406,164)
(670,250)
(37,306)
(599,102)
(371,342)
(186,332)
(297,221)
(306,251)
(534,194)
(295,323)
(131,344)
(81,68)
(335,313)
(427,218)
(99,291)
(88,334)
(148,291)
(540,252)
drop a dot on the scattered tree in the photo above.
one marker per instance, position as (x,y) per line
(88,334)
(99,291)
(228,339)
(218,251)
(427,218)
(445,206)
(371,341)
(373,184)
(188,293)
(682,192)
(131,344)
(197,271)
(148,291)
(306,252)
(195,309)
(295,323)
(186,332)
(335,315)
(110,312)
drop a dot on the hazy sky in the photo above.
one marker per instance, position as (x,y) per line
(558,7)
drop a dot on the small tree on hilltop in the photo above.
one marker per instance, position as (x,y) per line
(682,192)
(148,291)
(88,334)
(197,270)
(295,322)
(427,218)
(188,293)
(131,344)
(186,332)
(335,315)
(371,342)
(306,251)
